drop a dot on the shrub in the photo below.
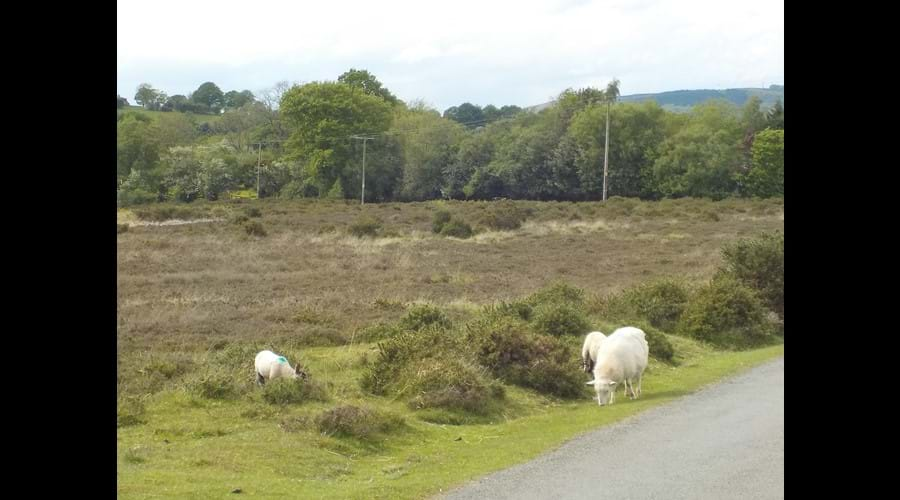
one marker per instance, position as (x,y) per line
(453,383)
(725,312)
(440,218)
(121,228)
(523,358)
(560,319)
(293,391)
(252,212)
(422,315)
(759,263)
(239,219)
(354,421)
(254,228)
(660,302)
(516,309)
(503,216)
(365,226)
(556,293)
(457,229)
(430,366)
(213,385)
(404,347)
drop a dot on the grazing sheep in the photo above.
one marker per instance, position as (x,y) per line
(271,366)
(589,350)
(621,358)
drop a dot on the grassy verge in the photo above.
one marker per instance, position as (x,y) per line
(189,446)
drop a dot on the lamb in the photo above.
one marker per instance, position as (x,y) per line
(621,358)
(271,366)
(589,350)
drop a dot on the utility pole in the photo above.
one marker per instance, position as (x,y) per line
(362,196)
(606,152)
(258,158)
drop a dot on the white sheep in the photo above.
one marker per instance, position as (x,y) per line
(589,350)
(271,366)
(621,358)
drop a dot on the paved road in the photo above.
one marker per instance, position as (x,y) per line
(724,442)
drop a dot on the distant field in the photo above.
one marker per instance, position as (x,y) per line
(195,301)
(154,114)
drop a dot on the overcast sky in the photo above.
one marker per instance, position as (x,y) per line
(520,52)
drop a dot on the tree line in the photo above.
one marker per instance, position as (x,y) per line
(302,135)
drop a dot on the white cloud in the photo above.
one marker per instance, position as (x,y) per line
(502,52)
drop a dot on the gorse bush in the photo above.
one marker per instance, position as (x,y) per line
(660,302)
(457,229)
(440,218)
(759,263)
(557,293)
(293,391)
(357,422)
(431,367)
(513,353)
(560,319)
(725,312)
(215,384)
(254,228)
(504,216)
(365,226)
(422,315)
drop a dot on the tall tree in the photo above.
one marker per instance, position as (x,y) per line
(322,117)
(210,96)
(234,99)
(775,117)
(362,79)
(146,96)
(466,113)
(766,176)
(611,94)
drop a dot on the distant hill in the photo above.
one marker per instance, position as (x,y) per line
(683,100)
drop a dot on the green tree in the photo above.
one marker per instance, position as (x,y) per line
(322,117)
(234,99)
(121,102)
(148,97)
(466,113)
(637,130)
(775,117)
(428,143)
(241,125)
(703,158)
(610,96)
(362,79)
(209,96)
(766,176)
(137,145)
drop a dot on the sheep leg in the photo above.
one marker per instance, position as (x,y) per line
(260,380)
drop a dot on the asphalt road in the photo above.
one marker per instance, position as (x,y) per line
(724,442)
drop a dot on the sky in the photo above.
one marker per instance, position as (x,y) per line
(500,52)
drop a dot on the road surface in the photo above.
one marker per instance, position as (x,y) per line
(723,442)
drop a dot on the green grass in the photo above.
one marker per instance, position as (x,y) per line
(155,114)
(195,303)
(206,448)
